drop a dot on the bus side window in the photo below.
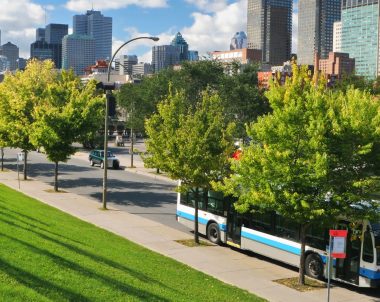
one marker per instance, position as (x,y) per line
(368,247)
(286,228)
(262,222)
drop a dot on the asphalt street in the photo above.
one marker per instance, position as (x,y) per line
(154,199)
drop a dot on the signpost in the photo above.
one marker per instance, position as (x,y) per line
(337,249)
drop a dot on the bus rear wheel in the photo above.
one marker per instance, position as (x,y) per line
(314,266)
(213,233)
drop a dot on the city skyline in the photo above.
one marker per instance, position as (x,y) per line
(206,25)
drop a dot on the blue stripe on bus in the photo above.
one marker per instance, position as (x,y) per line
(201,220)
(370,274)
(273,243)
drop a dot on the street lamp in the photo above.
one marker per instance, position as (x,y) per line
(105,157)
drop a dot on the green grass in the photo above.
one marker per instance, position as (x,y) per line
(47,255)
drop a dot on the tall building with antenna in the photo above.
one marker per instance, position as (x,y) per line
(99,27)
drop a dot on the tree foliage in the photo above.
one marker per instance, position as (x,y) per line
(20,94)
(190,145)
(241,100)
(42,107)
(313,158)
(69,111)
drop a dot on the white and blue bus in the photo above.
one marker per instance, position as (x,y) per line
(276,237)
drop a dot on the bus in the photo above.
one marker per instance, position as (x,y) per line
(277,237)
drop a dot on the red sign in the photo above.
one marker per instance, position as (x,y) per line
(338,243)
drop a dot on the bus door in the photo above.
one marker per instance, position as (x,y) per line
(233,228)
(347,269)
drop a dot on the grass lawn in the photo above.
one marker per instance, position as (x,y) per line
(47,255)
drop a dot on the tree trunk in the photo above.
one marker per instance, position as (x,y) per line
(196,199)
(56,177)
(25,164)
(301,278)
(131,147)
(2,159)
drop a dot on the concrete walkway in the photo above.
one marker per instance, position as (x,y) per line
(244,271)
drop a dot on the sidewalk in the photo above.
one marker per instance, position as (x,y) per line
(230,266)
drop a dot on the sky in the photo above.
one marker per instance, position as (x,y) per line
(206,25)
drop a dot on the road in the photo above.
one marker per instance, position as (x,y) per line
(135,193)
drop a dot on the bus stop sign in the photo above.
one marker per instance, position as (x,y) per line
(339,238)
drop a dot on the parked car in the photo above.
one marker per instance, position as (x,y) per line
(96,157)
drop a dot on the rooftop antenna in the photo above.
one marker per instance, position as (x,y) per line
(45,15)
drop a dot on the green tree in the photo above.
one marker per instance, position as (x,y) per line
(240,96)
(312,158)
(137,107)
(20,94)
(190,145)
(68,109)
(242,100)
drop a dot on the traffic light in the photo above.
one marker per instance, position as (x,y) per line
(111,104)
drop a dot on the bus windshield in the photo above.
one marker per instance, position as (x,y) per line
(376,234)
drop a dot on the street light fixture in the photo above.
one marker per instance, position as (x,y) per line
(105,157)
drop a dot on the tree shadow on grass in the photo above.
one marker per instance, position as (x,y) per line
(80,251)
(3,208)
(87,273)
(42,286)
(15,218)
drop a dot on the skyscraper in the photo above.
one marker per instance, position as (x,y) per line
(360,35)
(95,25)
(41,50)
(10,51)
(124,64)
(164,56)
(40,34)
(78,52)
(337,37)
(54,33)
(4,64)
(182,46)
(315,28)
(269,28)
(239,41)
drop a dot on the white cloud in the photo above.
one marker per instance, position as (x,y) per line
(20,14)
(209,31)
(164,38)
(19,20)
(209,5)
(214,31)
(83,5)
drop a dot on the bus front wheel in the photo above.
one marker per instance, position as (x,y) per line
(314,266)
(213,233)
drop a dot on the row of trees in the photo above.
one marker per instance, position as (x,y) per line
(312,156)
(240,98)
(49,109)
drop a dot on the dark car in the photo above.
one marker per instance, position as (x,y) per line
(96,157)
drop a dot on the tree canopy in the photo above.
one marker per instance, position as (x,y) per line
(69,111)
(311,159)
(241,99)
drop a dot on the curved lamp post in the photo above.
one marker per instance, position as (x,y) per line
(105,157)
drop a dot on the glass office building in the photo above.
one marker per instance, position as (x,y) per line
(78,52)
(315,28)
(269,28)
(99,27)
(360,35)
